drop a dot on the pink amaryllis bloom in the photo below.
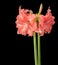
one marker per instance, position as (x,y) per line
(25,22)
(45,23)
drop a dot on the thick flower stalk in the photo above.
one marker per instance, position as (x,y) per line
(28,23)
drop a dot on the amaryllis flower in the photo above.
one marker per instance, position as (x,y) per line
(26,22)
(45,23)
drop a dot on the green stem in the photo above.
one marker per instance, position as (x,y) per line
(35,50)
(39,57)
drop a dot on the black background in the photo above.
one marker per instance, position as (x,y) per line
(18,49)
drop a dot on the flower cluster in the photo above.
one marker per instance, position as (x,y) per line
(27,23)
